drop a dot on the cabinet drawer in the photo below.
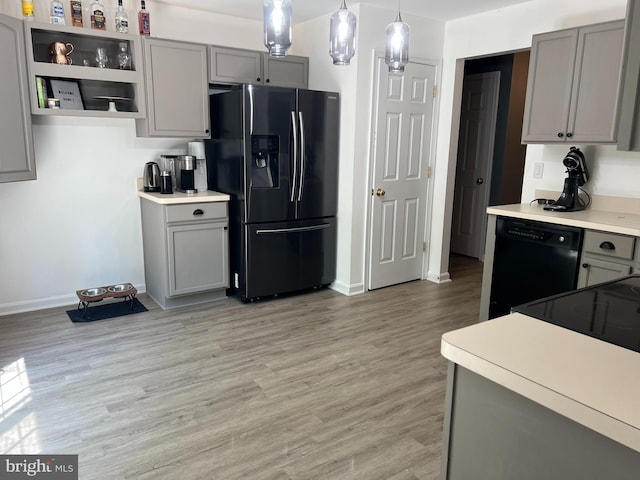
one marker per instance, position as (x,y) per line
(609,244)
(196,211)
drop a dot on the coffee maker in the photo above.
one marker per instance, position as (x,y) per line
(577,176)
(184,170)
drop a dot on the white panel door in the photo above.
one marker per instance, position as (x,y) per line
(402,147)
(475,155)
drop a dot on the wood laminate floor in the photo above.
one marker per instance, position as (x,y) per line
(314,386)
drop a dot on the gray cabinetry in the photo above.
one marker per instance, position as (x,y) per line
(290,71)
(573,86)
(185,252)
(17,161)
(491,432)
(234,65)
(229,66)
(629,117)
(605,256)
(177,90)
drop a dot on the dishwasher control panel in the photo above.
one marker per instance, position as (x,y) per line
(540,232)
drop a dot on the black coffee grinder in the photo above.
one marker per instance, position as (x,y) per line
(577,176)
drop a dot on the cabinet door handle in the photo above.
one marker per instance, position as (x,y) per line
(569,134)
(198,211)
(267,80)
(607,246)
(258,79)
(585,265)
(560,134)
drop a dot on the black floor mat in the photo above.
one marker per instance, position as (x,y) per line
(108,310)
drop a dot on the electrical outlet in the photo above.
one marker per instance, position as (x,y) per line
(538,168)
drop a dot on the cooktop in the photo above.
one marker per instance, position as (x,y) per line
(608,311)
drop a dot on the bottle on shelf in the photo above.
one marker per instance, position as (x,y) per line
(27,10)
(124,57)
(98,20)
(122,20)
(76,13)
(56,13)
(144,23)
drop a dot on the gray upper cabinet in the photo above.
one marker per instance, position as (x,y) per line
(290,71)
(573,86)
(177,90)
(230,66)
(629,119)
(17,161)
(233,65)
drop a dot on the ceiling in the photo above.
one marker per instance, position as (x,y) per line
(306,9)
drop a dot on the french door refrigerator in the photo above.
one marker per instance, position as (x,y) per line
(275,152)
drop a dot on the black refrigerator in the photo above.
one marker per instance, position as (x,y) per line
(275,152)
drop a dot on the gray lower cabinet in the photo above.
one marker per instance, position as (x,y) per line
(605,257)
(573,85)
(185,252)
(177,90)
(493,433)
(230,66)
(17,159)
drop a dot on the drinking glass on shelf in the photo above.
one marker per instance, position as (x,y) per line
(102,60)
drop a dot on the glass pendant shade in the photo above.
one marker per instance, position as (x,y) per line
(342,35)
(397,49)
(277,26)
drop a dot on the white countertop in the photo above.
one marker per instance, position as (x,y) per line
(592,382)
(179,197)
(616,222)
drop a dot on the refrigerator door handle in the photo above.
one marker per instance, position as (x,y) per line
(302,157)
(311,228)
(250,109)
(295,155)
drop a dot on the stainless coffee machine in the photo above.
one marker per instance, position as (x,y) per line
(183,169)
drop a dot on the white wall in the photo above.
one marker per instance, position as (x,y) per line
(78,224)
(355,84)
(504,30)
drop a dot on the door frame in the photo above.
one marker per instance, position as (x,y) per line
(376,55)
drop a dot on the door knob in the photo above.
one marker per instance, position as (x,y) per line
(380,192)
(480,181)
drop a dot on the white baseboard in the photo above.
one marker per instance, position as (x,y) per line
(443,277)
(346,289)
(44,303)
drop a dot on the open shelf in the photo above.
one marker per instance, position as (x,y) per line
(97,86)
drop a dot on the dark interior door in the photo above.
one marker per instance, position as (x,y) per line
(268,153)
(319,117)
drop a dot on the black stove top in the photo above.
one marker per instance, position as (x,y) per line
(607,311)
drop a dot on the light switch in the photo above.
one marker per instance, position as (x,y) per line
(538,168)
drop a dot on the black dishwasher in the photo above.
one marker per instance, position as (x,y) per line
(532,260)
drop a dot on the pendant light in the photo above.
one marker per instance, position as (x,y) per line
(277,26)
(342,35)
(397,45)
